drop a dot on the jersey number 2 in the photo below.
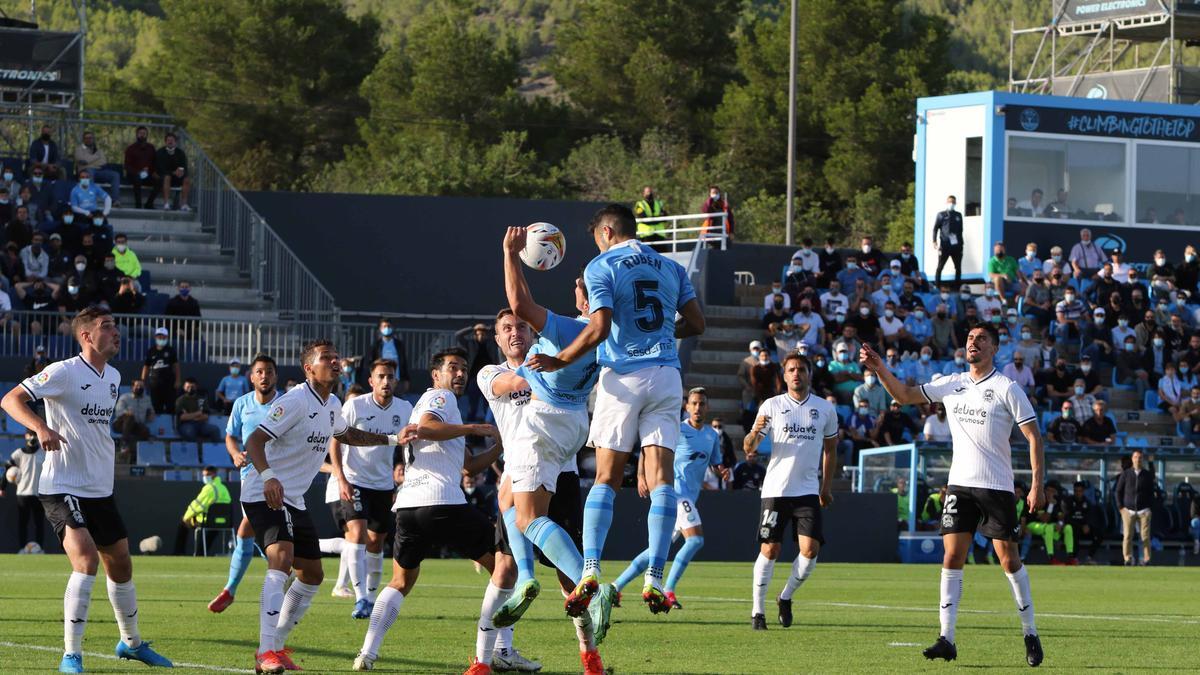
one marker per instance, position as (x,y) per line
(645,298)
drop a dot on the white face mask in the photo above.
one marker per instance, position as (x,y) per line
(829,249)
(959,360)
(889,313)
(1085,368)
(1069,297)
(1160,261)
(949,206)
(866,248)
(869,380)
(1030,253)
(1026,335)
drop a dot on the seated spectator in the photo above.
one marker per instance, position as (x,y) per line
(1187,376)
(89,157)
(36,261)
(43,154)
(25,198)
(1017,372)
(872,393)
(191,421)
(931,513)
(991,301)
(183,304)
(893,425)
(852,273)
(1187,274)
(87,197)
(896,276)
(860,430)
(810,327)
(749,473)
(7,205)
(776,313)
(19,230)
(128,299)
(132,418)
(1171,390)
(766,378)
(833,301)
(1120,271)
(36,296)
(1059,382)
(197,513)
(1099,429)
(848,339)
(69,299)
(1032,207)
(1048,522)
(1070,316)
(1191,355)
(958,364)
(1006,349)
(1066,427)
(1029,347)
(908,262)
(170,163)
(810,262)
(1155,359)
(126,260)
(39,191)
(1080,398)
(769,298)
(140,168)
(109,279)
(846,372)
(943,338)
(1031,263)
(1002,270)
(821,380)
(936,428)
(1098,347)
(884,294)
(921,369)
(1187,417)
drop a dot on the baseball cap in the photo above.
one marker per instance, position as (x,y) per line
(234,362)
(41,348)
(755,344)
(1099,312)
(161,331)
(56,236)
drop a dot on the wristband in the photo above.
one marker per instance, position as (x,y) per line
(267,474)
(393,439)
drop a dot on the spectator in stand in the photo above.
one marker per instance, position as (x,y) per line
(717,203)
(479,342)
(785,337)
(943,339)
(908,262)
(126,260)
(811,327)
(1099,428)
(948,240)
(11,267)
(1006,350)
(1029,347)
(766,378)
(140,167)
(833,301)
(1120,271)
(810,262)
(87,197)
(908,302)
(36,261)
(1059,381)
(919,328)
(650,206)
(1183,313)
(36,296)
(191,420)
(1171,390)
(1194,528)
(109,279)
(848,339)
(743,375)
(1144,330)
(10,185)
(866,324)
(860,431)
(1099,348)
(892,330)
(1086,257)
(387,346)
(43,154)
(852,273)
(1162,275)
(872,260)
(89,156)
(1017,372)
(183,304)
(231,387)
(936,428)
(1187,418)
(6,205)
(921,369)
(1187,275)
(160,372)
(969,320)
(769,298)
(884,294)
(958,364)
(830,263)
(19,230)
(1003,271)
(1191,355)
(40,194)
(87,277)
(749,473)
(1071,320)
(1080,398)
(893,424)
(170,164)
(1084,519)
(69,299)
(132,418)
(847,374)
(821,381)
(38,363)
(1154,361)
(989,302)
(25,198)
(129,300)
(872,393)
(1032,207)
(1031,263)
(1135,496)
(1066,427)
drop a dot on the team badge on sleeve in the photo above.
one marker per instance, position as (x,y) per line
(438,402)
(276,413)
(42,377)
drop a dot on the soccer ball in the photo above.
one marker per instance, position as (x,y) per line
(545,247)
(12,474)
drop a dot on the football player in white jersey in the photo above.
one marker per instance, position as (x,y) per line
(365,482)
(982,406)
(287,451)
(431,510)
(76,483)
(803,430)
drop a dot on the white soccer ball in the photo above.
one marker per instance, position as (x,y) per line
(12,474)
(33,548)
(150,545)
(545,247)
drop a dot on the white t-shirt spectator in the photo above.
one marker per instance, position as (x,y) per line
(815,324)
(936,430)
(890,326)
(35,265)
(834,303)
(5,302)
(985,305)
(769,301)
(810,262)
(881,297)
(434,476)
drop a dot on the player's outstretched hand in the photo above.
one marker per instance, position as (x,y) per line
(514,240)
(409,434)
(273,493)
(1037,498)
(826,498)
(869,359)
(545,363)
(51,440)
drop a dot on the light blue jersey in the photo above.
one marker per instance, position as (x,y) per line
(643,289)
(570,387)
(244,418)
(698,449)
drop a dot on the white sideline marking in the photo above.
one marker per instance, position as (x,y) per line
(111,657)
(1101,617)
(904,644)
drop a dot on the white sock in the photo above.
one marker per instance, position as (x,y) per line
(356,565)
(124,602)
(952,588)
(583,631)
(763,570)
(504,640)
(76,601)
(343,579)
(485,637)
(800,571)
(295,603)
(270,603)
(387,608)
(332,545)
(374,574)
(1024,599)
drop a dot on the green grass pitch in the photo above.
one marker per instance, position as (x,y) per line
(849,618)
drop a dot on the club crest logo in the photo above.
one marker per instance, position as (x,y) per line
(395,420)
(438,402)
(815,413)
(276,413)
(1030,120)
(112,389)
(989,396)
(947,521)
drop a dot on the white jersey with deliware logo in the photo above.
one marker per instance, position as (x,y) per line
(299,425)
(79,405)
(798,430)
(981,416)
(371,466)
(509,408)
(433,475)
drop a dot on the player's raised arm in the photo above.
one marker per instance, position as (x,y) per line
(519,296)
(431,428)
(869,359)
(359,437)
(757,433)
(508,383)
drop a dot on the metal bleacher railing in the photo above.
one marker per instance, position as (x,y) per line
(701,227)
(260,254)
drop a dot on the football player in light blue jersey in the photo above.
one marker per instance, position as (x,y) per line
(248,410)
(699,448)
(633,295)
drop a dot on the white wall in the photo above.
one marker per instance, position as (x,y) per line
(946,134)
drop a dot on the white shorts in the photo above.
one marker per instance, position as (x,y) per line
(686,514)
(645,404)
(544,445)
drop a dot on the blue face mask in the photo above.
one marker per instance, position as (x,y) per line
(185,292)
(68,219)
(385,331)
(234,370)
(85,183)
(208,480)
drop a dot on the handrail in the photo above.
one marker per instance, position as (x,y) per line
(712,233)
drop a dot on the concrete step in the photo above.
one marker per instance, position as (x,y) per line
(731,311)
(740,334)
(717,356)
(737,346)
(215,273)
(238,312)
(241,297)
(713,380)
(155,247)
(715,392)
(128,212)
(730,322)
(132,226)
(727,408)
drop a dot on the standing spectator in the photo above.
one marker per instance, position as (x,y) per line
(140,167)
(833,301)
(785,337)
(170,163)
(650,206)
(28,459)
(743,375)
(38,363)
(860,431)
(191,419)
(810,262)
(1086,257)
(1187,275)
(132,418)
(766,378)
(479,343)
(872,393)
(1135,495)
(846,372)
(717,203)
(387,346)
(127,261)
(777,290)
(160,372)
(89,156)
(948,240)
(87,198)
(182,303)
(831,263)
(43,153)
(231,387)
(937,429)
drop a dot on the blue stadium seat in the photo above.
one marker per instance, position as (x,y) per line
(145,281)
(185,453)
(152,453)
(1048,417)
(218,421)
(214,454)
(60,190)
(156,303)
(1152,400)
(844,411)
(13,427)
(1137,442)
(163,426)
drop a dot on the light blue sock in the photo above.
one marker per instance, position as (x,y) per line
(239,562)
(638,566)
(522,549)
(597,518)
(557,545)
(660,523)
(682,557)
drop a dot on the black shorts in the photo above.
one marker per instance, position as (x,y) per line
(286,524)
(97,515)
(992,512)
(566,510)
(804,513)
(374,506)
(421,530)
(335,510)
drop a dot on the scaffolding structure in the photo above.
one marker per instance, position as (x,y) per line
(34,82)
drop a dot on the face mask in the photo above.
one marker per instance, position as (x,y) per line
(958,360)
(68,219)
(778,304)
(965,295)
(1012,320)
(829,249)
(905,256)
(820,363)
(840,318)
(1003,339)
(208,480)
(98,222)
(1026,335)
(8,177)
(941,315)
(143,174)
(1030,254)
(73,290)
(37,180)
(1099,321)
(866,248)
(843,356)
(763,362)
(385,331)
(920,315)
(1056,258)
(137,392)
(1129,346)
(1104,274)
(1191,257)
(1079,391)
(1069,297)
(1158,342)
(45,137)
(851,266)
(110,265)
(926,357)
(161,342)
(79,267)
(991,292)
(888,313)
(1086,368)
(1066,413)
(995,318)
(185,292)
(1184,369)
(864,311)
(1160,261)
(121,248)
(3,201)
(85,183)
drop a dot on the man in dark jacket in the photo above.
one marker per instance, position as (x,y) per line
(948,239)
(140,167)
(386,346)
(170,163)
(1135,494)
(1082,516)
(43,152)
